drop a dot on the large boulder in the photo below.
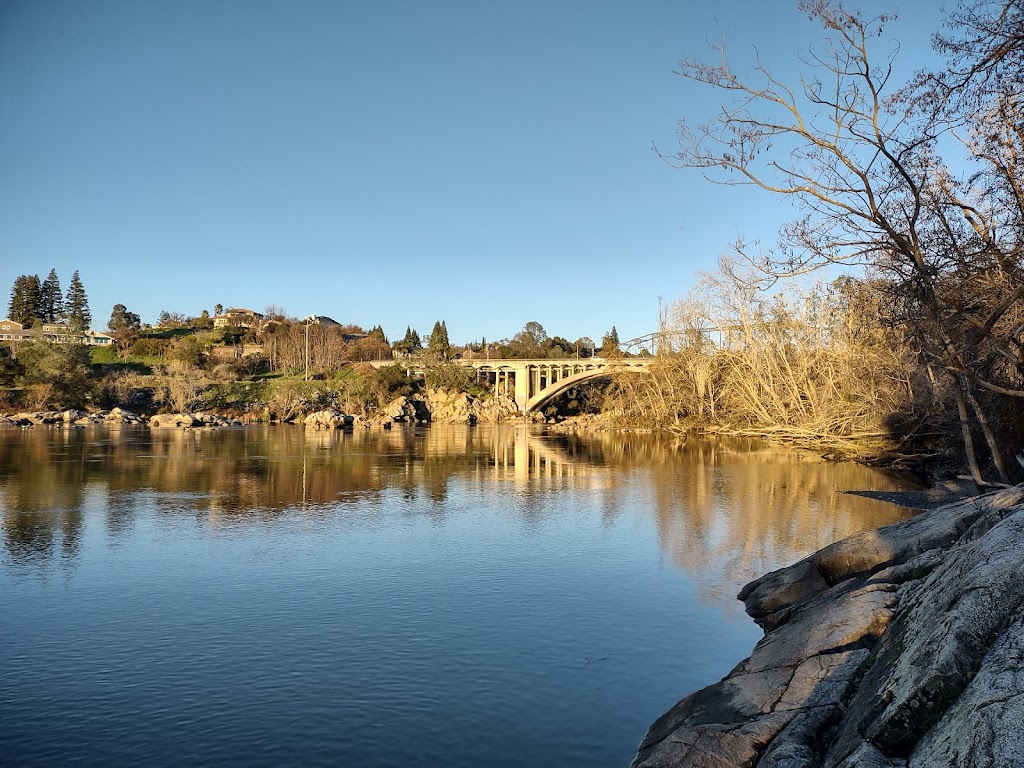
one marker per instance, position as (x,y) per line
(330,418)
(897,647)
(450,407)
(497,409)
(180,420)
(216,420)
(123,416)
(41,417)
(402,410)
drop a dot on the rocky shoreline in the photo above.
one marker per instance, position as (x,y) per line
(896,647)
(436,405)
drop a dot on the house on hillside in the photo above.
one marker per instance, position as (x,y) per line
(14,331)
(97,339)
(238,318)
(55,333)
(324,320)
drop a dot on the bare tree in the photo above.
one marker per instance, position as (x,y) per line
(860,160)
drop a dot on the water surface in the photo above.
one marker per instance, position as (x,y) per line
(421,597)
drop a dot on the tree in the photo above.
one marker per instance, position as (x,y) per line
(24,306)
(9,366)
(204,321)
(410,343)
(438,343)
(533,334)
(610,343)
(124,326)
(172,320)
(450,376)
(189,352)
(374,347)
(218,310)
(59,371)
(862,162)
(51,300)
(558,347)
(585,346)
(76,305)
(528,342)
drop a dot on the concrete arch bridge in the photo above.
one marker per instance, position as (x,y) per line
(534,383)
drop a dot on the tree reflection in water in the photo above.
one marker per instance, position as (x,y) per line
(725,510)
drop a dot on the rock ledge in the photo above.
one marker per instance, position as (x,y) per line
(895,647)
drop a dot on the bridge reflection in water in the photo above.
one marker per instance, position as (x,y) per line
(728,509)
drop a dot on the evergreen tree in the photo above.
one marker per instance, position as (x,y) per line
(26,295)
(438,342)
(76,305)
(51,301)
(610,343)
(410,343)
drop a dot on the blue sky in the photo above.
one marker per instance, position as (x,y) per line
(392,162)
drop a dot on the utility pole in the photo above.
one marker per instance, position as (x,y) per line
(306,378)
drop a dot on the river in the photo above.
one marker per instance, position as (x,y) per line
(442,596)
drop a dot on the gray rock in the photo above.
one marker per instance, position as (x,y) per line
(122,416)
(894,648)
(867,552)
(983,726)
(180,420)
(328,419)
(946,627)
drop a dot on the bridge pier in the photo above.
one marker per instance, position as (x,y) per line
(522,388)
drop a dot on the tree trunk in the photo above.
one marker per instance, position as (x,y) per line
(965,427)
(993,446)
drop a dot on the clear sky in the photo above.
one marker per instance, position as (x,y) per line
(397,162)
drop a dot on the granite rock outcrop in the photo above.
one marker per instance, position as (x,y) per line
(895,647)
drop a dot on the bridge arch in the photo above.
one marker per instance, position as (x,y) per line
(552,391)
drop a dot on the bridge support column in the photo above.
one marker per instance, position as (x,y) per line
(522,391)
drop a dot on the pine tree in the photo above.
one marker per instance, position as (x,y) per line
(76,305)
(438,342)
(410,343)
(51,301)
(26,295)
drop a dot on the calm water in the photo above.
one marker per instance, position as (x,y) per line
(432,597)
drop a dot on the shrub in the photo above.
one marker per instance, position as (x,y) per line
(149,347)
(392,381)
(451,376)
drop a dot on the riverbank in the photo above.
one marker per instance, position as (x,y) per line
(433,406)
(894,647)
